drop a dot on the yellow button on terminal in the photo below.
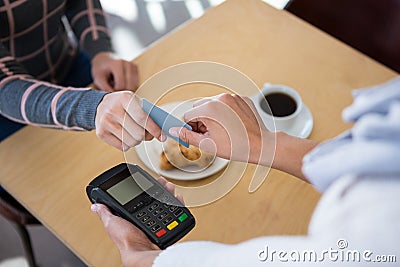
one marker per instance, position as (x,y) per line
(172,225)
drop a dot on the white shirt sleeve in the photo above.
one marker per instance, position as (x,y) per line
(371,147)
(356,221)
(255,252)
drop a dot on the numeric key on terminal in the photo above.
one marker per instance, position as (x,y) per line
(153,207)
(141,214)
(162,215)
(167,220)
(145,219)
(150,223)
(155,228)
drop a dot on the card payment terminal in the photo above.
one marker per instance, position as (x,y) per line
(133,194)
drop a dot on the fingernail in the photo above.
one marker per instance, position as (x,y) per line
(173,132)
(163,137)
(94,208)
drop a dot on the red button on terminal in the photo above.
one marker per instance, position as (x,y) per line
(161,233)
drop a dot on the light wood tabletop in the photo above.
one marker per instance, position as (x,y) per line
(47,170)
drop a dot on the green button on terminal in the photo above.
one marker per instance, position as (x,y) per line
(182,217)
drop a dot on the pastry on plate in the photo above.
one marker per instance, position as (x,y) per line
(175,155)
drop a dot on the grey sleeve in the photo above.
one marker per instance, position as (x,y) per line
(34,102)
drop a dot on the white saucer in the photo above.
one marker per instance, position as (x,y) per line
(149,152)
(303,125)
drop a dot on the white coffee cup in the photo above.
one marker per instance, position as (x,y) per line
(277,123)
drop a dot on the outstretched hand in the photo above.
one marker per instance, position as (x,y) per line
(122,123)
(227,125)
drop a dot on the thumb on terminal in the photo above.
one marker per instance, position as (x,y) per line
(102,211)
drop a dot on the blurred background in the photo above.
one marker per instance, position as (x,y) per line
(135,24)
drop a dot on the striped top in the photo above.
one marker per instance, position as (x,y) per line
(36,52)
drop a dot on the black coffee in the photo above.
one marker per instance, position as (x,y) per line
(281,104)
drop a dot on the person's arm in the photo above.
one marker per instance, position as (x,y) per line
(136,249)
(289,154)
(29,101)
(231,124)
(89,25)
(118,117)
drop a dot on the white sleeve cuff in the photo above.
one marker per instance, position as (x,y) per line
(193,254)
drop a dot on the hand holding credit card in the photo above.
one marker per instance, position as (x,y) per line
(164,120)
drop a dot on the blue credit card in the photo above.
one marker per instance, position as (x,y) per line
(164,120)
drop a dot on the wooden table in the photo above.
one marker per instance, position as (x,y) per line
(47,170)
